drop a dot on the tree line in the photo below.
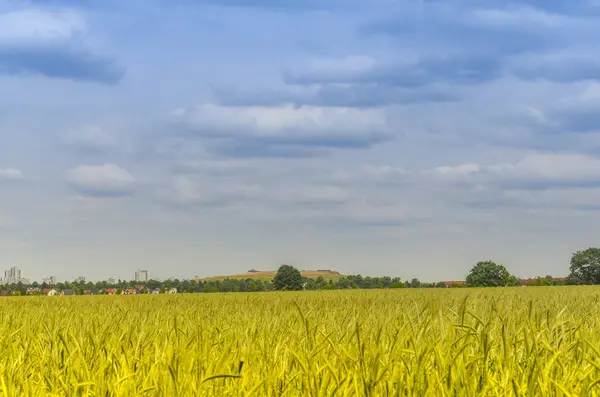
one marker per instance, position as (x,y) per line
(225,285)
(584,269)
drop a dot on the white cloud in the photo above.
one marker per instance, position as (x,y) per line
(306,195)
(10,174)
(92,137)
(54,44)
(459,170)
(551,167)
(285,122)
(186,191)
(107,179)
(535,168)
(31,26)
(384,171)
(518,16)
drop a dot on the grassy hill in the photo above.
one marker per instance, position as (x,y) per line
(268,275)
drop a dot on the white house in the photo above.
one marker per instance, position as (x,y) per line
(171,291)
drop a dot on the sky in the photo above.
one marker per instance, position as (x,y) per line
(408,138)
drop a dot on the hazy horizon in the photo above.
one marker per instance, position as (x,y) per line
(407,138)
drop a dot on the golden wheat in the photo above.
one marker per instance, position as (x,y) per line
(496,342)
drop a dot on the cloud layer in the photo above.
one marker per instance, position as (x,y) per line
(404,138)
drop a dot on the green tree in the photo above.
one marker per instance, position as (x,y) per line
(288,278)
(585,266)
(489,274)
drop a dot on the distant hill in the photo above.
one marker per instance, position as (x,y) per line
(269,274)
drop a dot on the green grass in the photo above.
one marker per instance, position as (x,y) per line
(455,342)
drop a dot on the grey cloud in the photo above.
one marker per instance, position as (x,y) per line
(450,27)
(453,68)
(573,115)
(60,62)
(565,70)
(262,148)
(355,95)
(282,131)
(576,119)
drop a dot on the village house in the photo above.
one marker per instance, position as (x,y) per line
(171,291)
(111,291)
(33,291)
(532,281)
(140,289)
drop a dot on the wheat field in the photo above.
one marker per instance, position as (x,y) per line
(463,342)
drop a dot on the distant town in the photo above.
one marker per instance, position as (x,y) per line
(13,283)
(13,276)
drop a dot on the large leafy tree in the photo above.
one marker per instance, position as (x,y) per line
(585,267)
(489,274)
(288,278)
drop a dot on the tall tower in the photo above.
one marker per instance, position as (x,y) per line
(141,275)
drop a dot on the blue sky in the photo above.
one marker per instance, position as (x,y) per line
(402,138)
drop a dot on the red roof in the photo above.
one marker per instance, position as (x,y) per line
(525,281)
(448,283)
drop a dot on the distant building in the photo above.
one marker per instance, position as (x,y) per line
(12,276)
(141,275)
(49,280)
(111,281)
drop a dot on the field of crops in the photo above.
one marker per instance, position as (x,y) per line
(517,341)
